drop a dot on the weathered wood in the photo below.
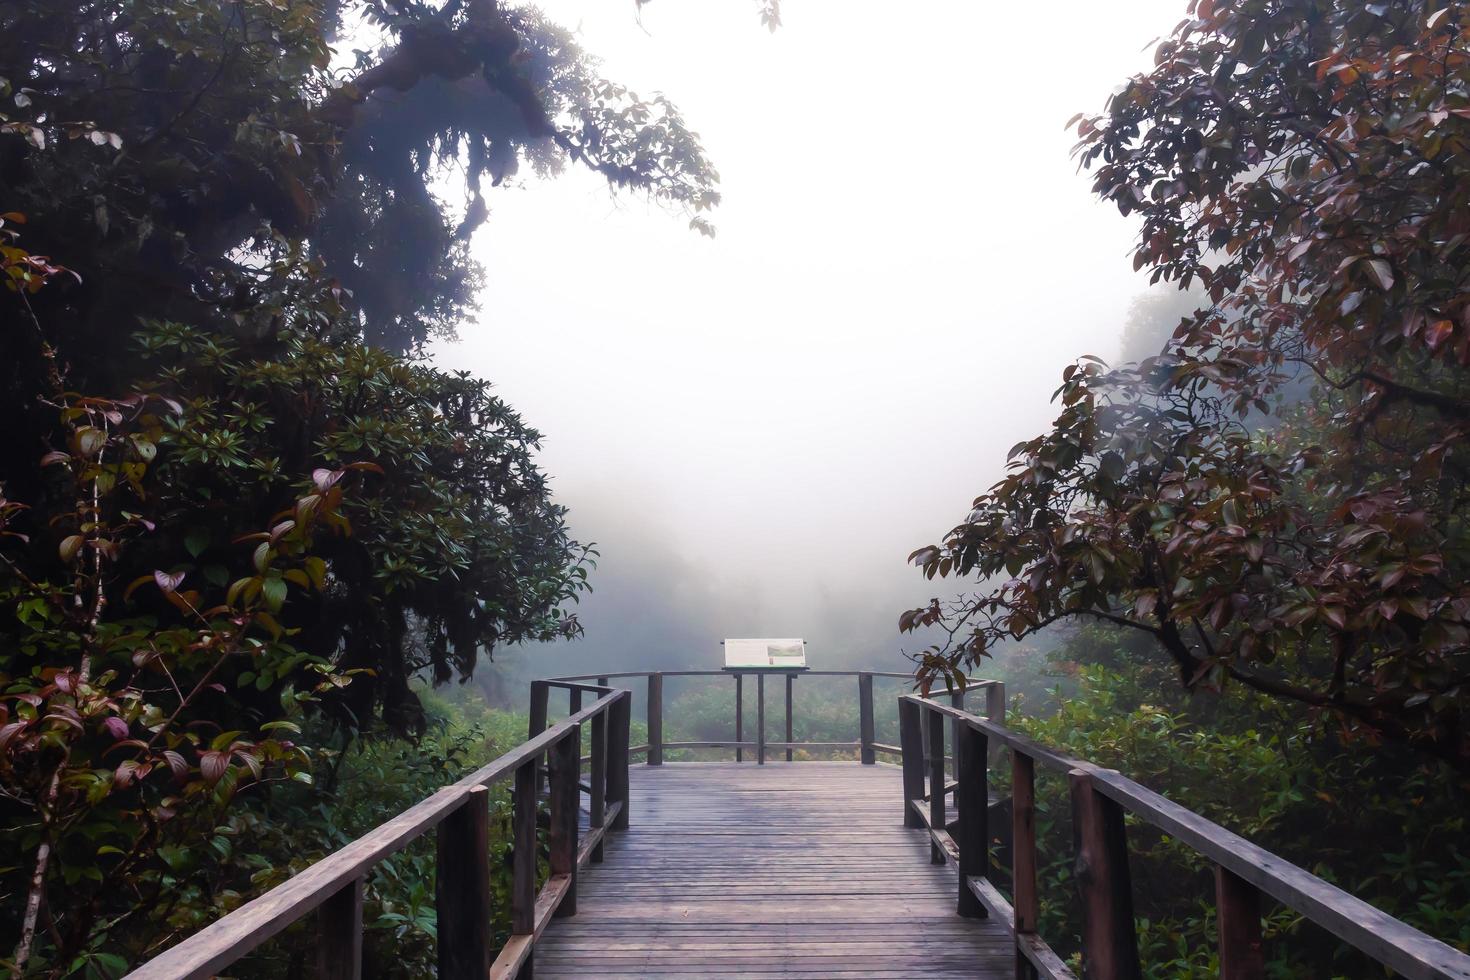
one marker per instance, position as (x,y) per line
(565,800)
(655,719)
(760,719)
(995,713)
(910,735)
(790,734)
(597,797)
(1023,857)
(619,721)
(936,781)
(739,715)
(339,951)
(1033,955)
(865,719)
(956,701)
(523,861)
(540,707)
(1100,846)
(972,802)
(462,889)
(1238,917)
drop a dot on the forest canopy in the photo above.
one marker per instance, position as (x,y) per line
(1305,164)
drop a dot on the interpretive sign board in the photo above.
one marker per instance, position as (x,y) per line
(749,654)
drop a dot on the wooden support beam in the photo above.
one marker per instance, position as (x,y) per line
(866,755)
(911,739)
(972,802)
(462,889)
(597,797)
(790,686)
(523,862)
(619,721)
(565,800)
(1100,845)
(655,719)
(760,719)
(339,951)
(1023,858)
(936,781)
(739,715)
(540,694)
(1238,914)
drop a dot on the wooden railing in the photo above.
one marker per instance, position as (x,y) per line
(460,816)
(866,745)
(1099,799)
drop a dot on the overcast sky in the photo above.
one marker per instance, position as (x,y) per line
(757,430)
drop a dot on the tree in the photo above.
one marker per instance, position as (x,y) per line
(1307,163)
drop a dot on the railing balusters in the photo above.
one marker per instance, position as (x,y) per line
(1100,844)
(620,716)
(911,742)
(937,780)
(1023,855)
(790,686)
(462,889)
(566,796)
(866,754)
(760,719)
(655,719)
(972,802)
(339,951)
(1238,914)
(597,804)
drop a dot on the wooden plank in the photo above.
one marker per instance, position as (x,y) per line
(739,716)
(516,955)
(760,719)
(339,953)
(523,860)
(462,889)
(910,734)
(1238,918)
(790,735)
(1100,845)
(597,797)
(1039,958)
(619,720)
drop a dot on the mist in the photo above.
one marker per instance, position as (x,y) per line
(756,430)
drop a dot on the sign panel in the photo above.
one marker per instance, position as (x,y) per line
(765,653)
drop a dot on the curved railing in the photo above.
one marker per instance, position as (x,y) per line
(866,744)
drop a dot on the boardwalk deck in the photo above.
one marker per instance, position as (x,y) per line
(784,870)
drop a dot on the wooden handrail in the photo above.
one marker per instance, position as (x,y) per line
(334,884)
(1099,798)
(866,745)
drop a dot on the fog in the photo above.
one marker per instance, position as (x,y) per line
(757,429)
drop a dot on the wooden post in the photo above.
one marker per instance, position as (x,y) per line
(866,755)
(462,889)
(619,723)
(566,764)
(523,865)
(936,783)
(1100,843)
(995,711)
(760,718)
(1238,911)
(790,684)
(597,805)
(602,682)
(911,743)
(739,715)
(1023,855)
(956,700)
(339,950)
(540,694)
(972,801)
(655,719)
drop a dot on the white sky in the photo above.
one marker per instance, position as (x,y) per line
(758,429)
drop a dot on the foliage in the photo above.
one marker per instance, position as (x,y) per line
(1305,162)
(1259,769)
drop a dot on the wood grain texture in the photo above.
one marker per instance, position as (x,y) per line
(788,870)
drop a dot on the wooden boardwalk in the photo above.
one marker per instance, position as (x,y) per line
(784,870)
